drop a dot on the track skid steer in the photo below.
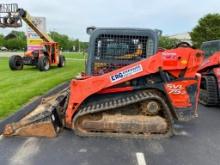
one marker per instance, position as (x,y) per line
(138,100)
(210,71)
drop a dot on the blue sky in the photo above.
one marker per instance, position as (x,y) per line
(71,17)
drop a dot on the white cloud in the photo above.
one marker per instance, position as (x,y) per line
(73,16)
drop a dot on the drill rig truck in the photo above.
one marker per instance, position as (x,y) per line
(42,58)
(210,70)
(128,90)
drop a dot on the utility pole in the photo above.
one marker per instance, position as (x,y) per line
(79,45)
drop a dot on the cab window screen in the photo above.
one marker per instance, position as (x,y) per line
(115,51)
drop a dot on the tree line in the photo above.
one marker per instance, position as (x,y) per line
(16,40)
(208,28)
(14,43)
(68,44)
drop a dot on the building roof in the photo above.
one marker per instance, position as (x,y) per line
(185,37)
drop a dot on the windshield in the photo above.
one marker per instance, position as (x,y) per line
(210,48)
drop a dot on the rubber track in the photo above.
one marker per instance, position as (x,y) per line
(209,97)
(117,102)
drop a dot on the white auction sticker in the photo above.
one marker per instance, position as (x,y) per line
(126,73)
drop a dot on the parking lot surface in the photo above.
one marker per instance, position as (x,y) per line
(196,142)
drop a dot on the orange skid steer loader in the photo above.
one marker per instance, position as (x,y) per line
(139,100)
(210,71)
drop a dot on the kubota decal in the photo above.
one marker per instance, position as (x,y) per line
(169,55)
(126,73)
(175,89)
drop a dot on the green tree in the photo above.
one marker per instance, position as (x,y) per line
(15,40)
(84,45)
(63,40)
(168,43)
(208,28)
(66,43)
(15,44)
(1,40)
(19,34)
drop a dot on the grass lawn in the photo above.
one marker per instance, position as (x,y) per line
(74,55)
(19,87)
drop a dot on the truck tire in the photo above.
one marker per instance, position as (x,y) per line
(43,63)
(209,91)
(61,61)
(16,62)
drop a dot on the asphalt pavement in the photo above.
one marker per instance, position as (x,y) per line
(196,143)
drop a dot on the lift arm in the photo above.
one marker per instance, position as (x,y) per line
(27,18)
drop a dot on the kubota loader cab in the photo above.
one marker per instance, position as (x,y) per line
(210,70)
(113,48)
(129,90)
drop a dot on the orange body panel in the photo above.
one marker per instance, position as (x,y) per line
(199,76)
(81,89)
(177,93)
(55,46)
(115,90)
(210,61)
(217,74)
(49,46)
(28,53)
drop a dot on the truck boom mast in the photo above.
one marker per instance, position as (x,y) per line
(28,20)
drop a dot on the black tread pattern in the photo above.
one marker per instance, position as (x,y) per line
(13,60)
(121,101)
(209,96)
(41,63)
(61,61)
